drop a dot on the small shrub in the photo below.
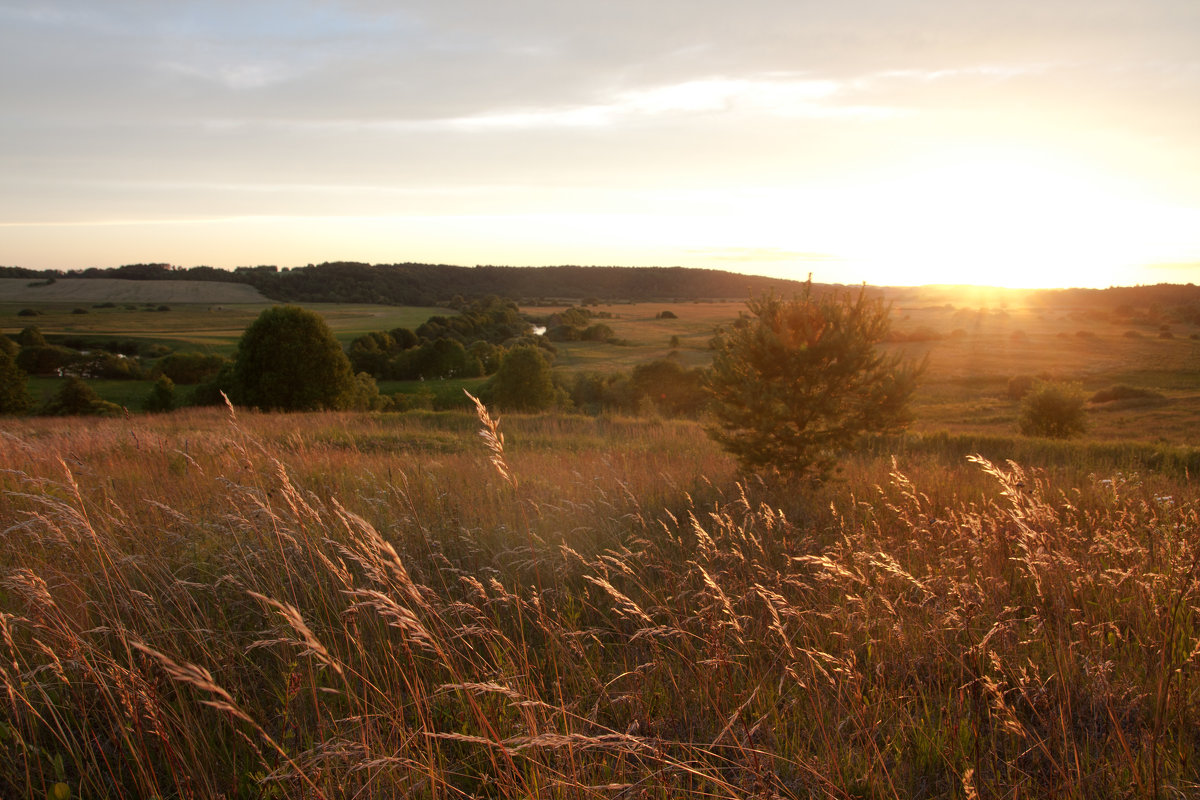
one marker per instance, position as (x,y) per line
(1053,410)
(29,312)
(79,310)
(666,315)
(161,397)
(76,398)
(597,333)
(1123,392)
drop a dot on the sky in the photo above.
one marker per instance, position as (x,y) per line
(1024,143)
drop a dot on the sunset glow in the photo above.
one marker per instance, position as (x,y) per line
(1022,144)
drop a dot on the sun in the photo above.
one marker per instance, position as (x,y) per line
(1013,220)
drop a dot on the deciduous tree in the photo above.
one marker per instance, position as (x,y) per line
(289,360)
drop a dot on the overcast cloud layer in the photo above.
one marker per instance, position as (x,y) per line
(550,132)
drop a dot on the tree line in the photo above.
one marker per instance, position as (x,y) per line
(432,284)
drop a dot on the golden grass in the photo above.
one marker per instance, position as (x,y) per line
(333,605)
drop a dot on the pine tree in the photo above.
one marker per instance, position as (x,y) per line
(797,382)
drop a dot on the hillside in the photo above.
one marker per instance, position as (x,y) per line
(426,284)
(435,284)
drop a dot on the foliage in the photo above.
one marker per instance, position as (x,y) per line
(191,367)
(1124,392)
(597,333)
(161,397)
(76,398)
(797,384)
(492,319)
(31,336)
(46,359)
(105,366)
(669,388)
(523,382)
(440,358)
(594,392)
(289,360)
(466,345)
(1054,410)
(366,395)
(14,389)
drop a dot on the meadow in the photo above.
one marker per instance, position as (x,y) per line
(975,343)
(211,603)
(203,604)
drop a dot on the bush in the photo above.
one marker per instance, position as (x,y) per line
(31,337)
(1123,392)
(161,397)
(1053,410)
(597,333)
(667,387)
(191,367)
(76,398)
(45,359)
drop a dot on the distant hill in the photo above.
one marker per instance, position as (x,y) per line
(438,284)
(428,284)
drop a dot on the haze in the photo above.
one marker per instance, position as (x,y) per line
(1025,143)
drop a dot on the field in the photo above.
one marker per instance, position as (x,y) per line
(973,351)
(336,605)
(217,604)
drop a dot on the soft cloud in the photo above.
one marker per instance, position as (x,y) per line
(131,109)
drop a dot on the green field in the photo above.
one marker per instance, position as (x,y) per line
(978,349)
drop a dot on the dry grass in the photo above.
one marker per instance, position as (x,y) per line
(340,606)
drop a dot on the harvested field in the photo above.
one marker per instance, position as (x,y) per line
(115,290)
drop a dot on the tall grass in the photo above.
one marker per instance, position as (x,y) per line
(348,606)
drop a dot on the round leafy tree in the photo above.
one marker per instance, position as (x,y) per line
(797,382)
(523,382)
(289,360)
